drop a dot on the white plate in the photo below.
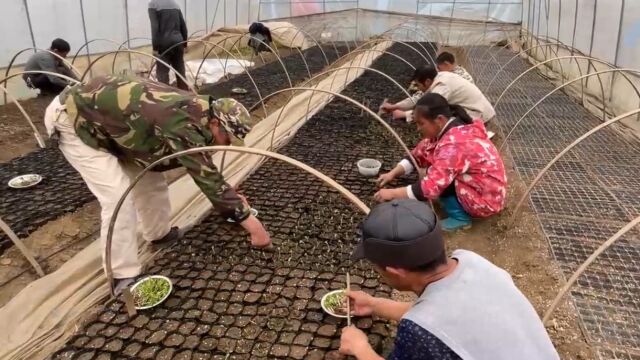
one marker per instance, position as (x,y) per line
(153,277)
(25,181)
(327,310)
(239,91)
(254,212)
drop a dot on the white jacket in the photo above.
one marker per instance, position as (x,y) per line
(457,91)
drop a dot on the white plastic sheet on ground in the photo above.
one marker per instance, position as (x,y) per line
(44,314)
(213,70)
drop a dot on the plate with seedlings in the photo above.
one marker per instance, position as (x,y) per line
(254,212)
(238,90)
(25,181)
(151,291)
(335,304)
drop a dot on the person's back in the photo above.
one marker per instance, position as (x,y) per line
(461,92)
(479,313)
(50,62)
(167,24)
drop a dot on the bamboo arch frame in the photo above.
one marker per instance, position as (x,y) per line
(565,289)
(300,30)
(395,41)
(506,138)
(139,53)
(6,92)
(277,54)
(402,27)
(3,82)
(504,66)
(86,44)
(121,46)
(567,57)
(23,249)
(344,97)
(327,180)
(561,154)
(391,32)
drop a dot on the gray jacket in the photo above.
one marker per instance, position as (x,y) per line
(45,61)
(167,24)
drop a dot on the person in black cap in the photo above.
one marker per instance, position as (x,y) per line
(467,308)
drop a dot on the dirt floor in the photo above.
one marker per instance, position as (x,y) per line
(16,135)
(523,251)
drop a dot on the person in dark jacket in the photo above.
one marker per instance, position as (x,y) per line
(168,28)
(260,35)
(45,61)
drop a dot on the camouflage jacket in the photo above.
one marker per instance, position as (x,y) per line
(141,121)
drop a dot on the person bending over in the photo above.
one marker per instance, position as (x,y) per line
(467,308)
(114,126)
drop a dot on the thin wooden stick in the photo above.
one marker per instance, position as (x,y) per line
(348,300)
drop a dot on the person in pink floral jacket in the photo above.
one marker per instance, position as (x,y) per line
(464,169)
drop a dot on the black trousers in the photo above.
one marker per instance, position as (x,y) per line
(175,58)
(42,82)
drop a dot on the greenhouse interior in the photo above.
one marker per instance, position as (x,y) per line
(282,179)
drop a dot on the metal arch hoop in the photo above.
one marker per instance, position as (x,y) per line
(512,59)
(6,92)
(115,56)
(326,60)
(86,44)
(346,193)
(382,52)
(402,27)
(197,32)
(506,138)
(6,73)
(345,68)
(23,249)
(344,97)
(139,53)
(555,59)
(36,133)
(276,53)
(565,289)
(264,109)
(399,42)
(561,154)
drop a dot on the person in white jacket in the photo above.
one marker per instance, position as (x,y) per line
(455,89)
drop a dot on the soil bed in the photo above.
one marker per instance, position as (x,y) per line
(232,302)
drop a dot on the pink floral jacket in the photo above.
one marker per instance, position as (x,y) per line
(465,156)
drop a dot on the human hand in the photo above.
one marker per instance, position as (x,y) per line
(259,236)
(384,195)
(398,114)
(387,106)
(361,303)
(384,179)
(354,342)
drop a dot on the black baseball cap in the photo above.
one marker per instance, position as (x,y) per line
(400,233)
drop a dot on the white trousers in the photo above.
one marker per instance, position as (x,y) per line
(108,178)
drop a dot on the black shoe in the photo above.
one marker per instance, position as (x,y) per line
(172,236)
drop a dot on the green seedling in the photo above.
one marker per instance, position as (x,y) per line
(150,292)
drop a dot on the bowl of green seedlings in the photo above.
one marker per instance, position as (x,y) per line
(151,291)
(334,303)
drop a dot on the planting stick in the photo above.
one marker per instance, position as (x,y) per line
(348,301)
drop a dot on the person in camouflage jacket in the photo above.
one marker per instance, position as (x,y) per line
(126,123)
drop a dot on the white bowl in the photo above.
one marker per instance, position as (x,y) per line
(327,310)
(369,167)
(153,277)
(254,212)
(25,181)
